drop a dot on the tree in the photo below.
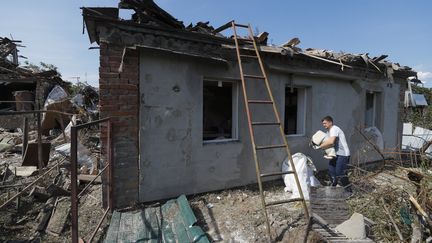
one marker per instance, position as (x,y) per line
(42,67)
(421,117)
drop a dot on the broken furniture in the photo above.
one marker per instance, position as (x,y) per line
(31,154)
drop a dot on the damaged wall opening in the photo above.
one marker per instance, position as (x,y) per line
(219,110)
(295,111)
(373,109)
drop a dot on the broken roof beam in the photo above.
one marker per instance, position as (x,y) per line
(151,9)
(103,12)
(223,27)
(326,60)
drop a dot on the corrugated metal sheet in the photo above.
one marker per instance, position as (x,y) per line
(172,222)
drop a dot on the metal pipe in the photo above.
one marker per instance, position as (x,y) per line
(74,176)
(74,186)
(89,124)
(6,113)
(98,225)
(15,101)
(31,184)
(91,182)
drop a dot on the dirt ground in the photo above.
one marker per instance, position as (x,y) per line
(232,215)
(236,215)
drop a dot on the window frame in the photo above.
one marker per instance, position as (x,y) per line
(301,91)
(373,109)
(377,108)
(234,110)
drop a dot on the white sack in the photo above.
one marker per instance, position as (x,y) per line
(305,169)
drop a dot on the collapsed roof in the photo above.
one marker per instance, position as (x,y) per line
(148,15)
(10,70)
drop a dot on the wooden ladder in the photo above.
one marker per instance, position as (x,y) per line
(252,124)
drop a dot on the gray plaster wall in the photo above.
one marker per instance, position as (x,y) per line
(173,158)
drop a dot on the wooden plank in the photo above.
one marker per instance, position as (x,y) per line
(223,27)
(88,178)
(113,229)
(59,216)
(45,214)
(25,171)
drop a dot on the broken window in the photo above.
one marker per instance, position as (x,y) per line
(295,111)
(373,109)
(219,110)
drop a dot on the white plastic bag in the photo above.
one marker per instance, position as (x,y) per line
(67,130)
(55,95)
(305,168)
(84,155)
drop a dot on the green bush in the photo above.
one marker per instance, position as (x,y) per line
(421,117)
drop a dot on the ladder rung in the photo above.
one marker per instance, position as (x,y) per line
(260,101)
(270,146)
(265,123)
(248,56)
(284,201)
(253,76)
(277,173)
(242,25)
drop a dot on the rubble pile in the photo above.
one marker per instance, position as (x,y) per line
(395,196)
(41,211)
(35,202)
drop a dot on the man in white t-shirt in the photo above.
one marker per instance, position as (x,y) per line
(337,166)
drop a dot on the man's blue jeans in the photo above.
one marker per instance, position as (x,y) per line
(338,170)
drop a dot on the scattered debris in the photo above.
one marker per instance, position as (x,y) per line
(354,228)
(25,171)
(59,216)
(31,154)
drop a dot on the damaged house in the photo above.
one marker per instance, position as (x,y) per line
(179,122)
(21,89)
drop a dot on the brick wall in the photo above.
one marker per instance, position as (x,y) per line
(119,99)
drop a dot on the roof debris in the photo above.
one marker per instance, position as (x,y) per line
(149,14)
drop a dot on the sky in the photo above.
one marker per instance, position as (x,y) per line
(52,30)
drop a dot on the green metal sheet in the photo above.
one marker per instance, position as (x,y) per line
(152,222)
(126,230)
(141,228)
(166,219)
(198,235)
(111,236)
(167,232)
(186,212)
(180,230)
(173,222)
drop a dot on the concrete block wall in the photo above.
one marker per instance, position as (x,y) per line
(119,99)
(401,111)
